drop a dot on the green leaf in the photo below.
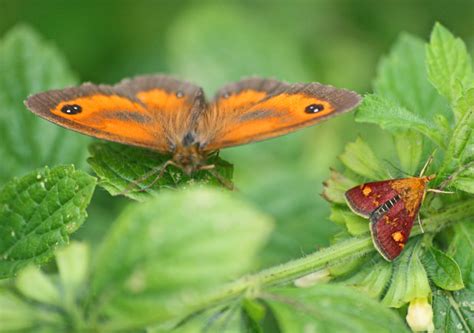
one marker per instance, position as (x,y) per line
(331,308)
(16,315)
(449,65)
(401,77)
(73,266)
(373,278)
(465,143)
(336,186)
(454,311)
(462,138)
(163,256)
(236,35)
(36,285)
(409,145)
(214,320)
(443,270)
(409,279)
(121,169)
(461,249)
(465,180)
(28,64)
(391,116)
(38,212)
(253,314)
(359,157)
(355,224)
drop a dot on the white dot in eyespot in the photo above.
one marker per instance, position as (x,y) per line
(179,94)
(226,95)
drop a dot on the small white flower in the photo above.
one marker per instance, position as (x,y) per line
(321,276)
(420,315)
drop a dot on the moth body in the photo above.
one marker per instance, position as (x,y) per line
(391,206)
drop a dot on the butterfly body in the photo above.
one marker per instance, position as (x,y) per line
(189,158)
(391,206)
(171,116)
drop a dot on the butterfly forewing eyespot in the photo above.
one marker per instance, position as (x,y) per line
(71,109)
(168,115)
(314,108)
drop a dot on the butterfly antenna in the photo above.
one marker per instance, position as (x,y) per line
(427,163)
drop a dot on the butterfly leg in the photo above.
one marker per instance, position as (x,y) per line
(207,167)
(225,182)
(136,182)
(162,172)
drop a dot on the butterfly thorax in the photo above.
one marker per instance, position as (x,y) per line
(189,158)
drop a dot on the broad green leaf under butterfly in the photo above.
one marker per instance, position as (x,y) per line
(28,64)
(121,169)
(448,63)
(163,256)
(331,308)
(38,212)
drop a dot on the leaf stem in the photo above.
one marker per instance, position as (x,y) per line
(342,251)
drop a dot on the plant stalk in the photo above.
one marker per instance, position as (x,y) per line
(342,251)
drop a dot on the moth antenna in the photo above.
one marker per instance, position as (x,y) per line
(396,168)
(427,163)
(421,225)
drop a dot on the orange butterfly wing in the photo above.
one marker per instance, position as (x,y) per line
(258,109)
(147,111)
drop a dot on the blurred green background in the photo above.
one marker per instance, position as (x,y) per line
(214,42)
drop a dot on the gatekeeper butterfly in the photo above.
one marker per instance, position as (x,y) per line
(168,115)
(392,206)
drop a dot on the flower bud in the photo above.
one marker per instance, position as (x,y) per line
(420,315)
